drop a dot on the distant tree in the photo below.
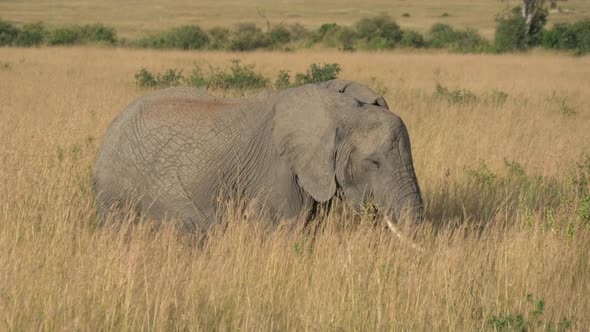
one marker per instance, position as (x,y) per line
(530,10)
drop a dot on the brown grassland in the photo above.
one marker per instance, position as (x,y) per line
(503,180)
(137,18)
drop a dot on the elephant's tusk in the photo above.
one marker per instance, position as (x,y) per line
(399,235)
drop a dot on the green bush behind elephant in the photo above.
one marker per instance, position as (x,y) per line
(175,152)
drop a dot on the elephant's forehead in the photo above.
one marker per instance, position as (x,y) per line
(373,134)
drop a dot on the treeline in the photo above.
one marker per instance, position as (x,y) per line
(377,33)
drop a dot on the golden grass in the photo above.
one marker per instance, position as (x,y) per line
(133,19)
(59,272)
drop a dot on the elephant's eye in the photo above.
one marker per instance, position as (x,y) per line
(373,163)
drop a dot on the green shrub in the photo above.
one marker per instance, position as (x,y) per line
(326,29)
(318,73)
(566,36)
(64,36)
(406,15)
(31,35)
(246,37)
(170,77)
(97,33)
(187,37)
(145,79)
(561,36)
(532,321)
(379,32)
(413,39)
(239,78)
(469,41)
(8,33)
(298,32)
(465,41)
(441,35)
(346,39)
(496,97)
(279,35)
(582,30)
(334,35)
(510,34)
(197,78)
(283,80)
(219,38)
(82,34)
(458,96)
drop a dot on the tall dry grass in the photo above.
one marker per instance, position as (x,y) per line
(503,238)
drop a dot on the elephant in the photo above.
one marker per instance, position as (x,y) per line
(176,152)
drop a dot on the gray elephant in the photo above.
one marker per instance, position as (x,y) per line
(175,152)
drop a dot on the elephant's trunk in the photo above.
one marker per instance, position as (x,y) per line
(405,204)
(407,201)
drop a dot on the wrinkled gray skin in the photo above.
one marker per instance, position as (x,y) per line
(175,152)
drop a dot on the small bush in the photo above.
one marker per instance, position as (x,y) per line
(169,78)
(219,38)
(197,78)
(64,36)
(469,41)
(406,15)
(82,34)
(509,35)
(145,79)
(442,35)
(566,36)
(561,104)
(561,36)
(346,39)
(464,41)
(298,32)
(283,80)
(458,96)
(379,32)
(246,37)
(496,97)
(239,78)
(481,175)
(8,33)
(413,39)
(279,35)
(187,37)
(445,15)
(326,29)
(97,33)
(318,73)
(31,35)
(533,320)
(582,30)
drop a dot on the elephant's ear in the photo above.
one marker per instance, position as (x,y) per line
(304,132)
(362,93)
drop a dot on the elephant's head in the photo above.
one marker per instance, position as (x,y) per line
(330,140)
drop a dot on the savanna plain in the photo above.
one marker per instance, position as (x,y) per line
(501,148)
